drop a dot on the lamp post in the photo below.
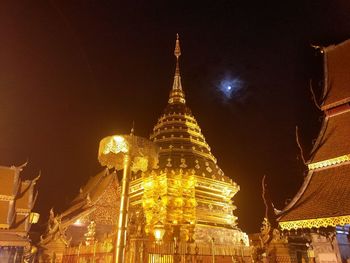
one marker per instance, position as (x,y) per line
(131,154)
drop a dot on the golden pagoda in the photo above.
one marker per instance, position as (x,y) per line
(179,209)
(187,196)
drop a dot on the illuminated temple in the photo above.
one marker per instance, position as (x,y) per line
(179,210)
(17,199)
(189,194)
(315,224)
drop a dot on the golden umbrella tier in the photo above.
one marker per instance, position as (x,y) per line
(143,153)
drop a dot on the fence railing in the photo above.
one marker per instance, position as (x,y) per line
(184,248)
(141,251)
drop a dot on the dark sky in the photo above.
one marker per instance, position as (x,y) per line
(72,72)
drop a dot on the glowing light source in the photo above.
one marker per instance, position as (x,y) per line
(78,222)
(230,87)
(159,231)
(34,218)
(113,149)
(158,234)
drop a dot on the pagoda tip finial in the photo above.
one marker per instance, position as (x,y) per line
(176,93)
(177,51)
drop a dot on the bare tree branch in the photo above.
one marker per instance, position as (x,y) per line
(299,145)
(313,96)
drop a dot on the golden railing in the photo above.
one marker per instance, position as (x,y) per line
(196,248)
(95,253)
(141,251)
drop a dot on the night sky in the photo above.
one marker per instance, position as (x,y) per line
(72,72)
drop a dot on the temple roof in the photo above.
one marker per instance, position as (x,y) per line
(337,77)
(25,196)
(323,199)
(89,195)
(324,194)
(9,180)
(97,200)
(92,189)
(4,210)
(17,198)
(333,139)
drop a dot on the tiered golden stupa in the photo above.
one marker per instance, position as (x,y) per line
(187,197)
(179,208)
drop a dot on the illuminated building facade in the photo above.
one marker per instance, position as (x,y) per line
(17,198)
(180,209)
(320,212)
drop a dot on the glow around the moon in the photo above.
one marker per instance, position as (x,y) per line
(230,87)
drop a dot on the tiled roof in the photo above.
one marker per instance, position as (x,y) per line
(333,139)
(337,68)
(326,193)
(8,179)
(20,223)
(24,197)
(93,185)
(94,188)
(4,211)
(90,200)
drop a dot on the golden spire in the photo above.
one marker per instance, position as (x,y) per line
(176,94)
(177,53)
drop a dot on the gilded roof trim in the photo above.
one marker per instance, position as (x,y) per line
(315,223)
(329,162)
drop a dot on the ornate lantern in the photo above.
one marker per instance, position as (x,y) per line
(158,231)
(34,218)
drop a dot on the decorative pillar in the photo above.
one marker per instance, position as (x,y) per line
(212,250)
(123,212)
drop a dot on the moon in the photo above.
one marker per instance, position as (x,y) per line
(229,87)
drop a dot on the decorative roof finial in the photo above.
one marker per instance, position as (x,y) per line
(177,51)
(132,128)
(176,94)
